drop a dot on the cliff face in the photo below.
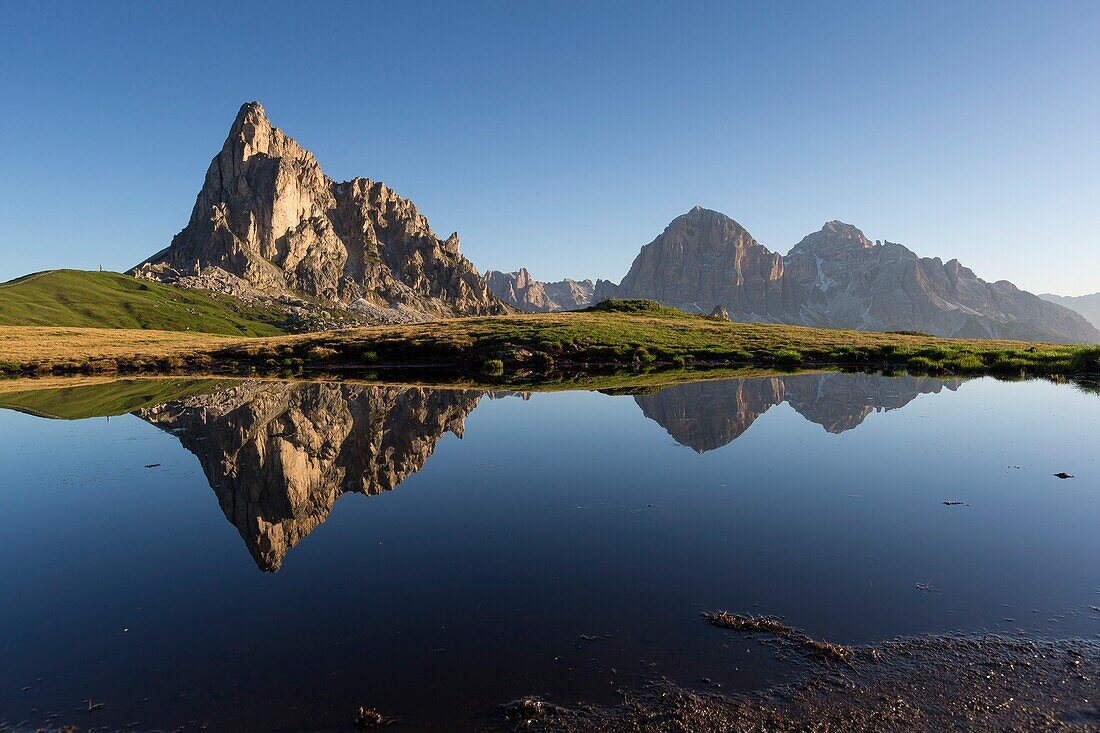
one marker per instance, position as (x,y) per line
(268,221)
(523,292)
(708,415)
(279,455)
(705,259)
(836,278)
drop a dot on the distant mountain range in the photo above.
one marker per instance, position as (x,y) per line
(705,262)
(1087,305)
(268,224)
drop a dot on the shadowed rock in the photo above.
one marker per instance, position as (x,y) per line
(836,278)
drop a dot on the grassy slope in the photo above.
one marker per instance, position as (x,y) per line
(632,333)
(113,300)
(549,347)
(75,402)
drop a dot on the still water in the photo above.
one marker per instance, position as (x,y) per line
(270,556)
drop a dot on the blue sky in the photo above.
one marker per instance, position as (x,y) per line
(564,136)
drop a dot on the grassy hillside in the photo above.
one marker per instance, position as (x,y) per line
(76,402)
(623,336)
(113,300)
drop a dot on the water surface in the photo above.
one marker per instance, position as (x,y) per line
(269,556)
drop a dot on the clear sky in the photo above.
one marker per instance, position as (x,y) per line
(564,136)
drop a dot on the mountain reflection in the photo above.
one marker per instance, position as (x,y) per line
(278,455)
(709,415)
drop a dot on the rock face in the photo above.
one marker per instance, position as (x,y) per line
(523,292)
(704,259)
(720,313)
(279,455)
(269,221)
(836,278)
(840,280)
(1086,305)
(708,415)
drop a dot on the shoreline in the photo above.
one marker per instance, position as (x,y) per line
(628,337)
(926,683)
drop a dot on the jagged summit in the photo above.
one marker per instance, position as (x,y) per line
(269,222)
(520,290)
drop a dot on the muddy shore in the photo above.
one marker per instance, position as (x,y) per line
(925,684)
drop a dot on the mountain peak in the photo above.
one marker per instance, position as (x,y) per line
(269,219)
(833,236)
(845,231)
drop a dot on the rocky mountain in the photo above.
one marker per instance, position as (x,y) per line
(279,455)
(269,223)
(521,291)
(1087,305)
(708,415)
(704,259)
(836,278)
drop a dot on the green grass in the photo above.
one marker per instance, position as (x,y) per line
(643,335)
(114,300)
(616,337)
(101,400)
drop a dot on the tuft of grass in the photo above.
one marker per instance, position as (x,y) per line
(787,358)
(492,367)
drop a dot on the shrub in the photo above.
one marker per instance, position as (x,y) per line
(965,363)
(922,365)
(934,353)
(370,357)
(787,357)
(1086,360)
(492,367)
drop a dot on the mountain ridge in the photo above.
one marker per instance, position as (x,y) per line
(705,261)
(1086,305)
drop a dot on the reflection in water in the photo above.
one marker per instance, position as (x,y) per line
(279,455)
(709,415)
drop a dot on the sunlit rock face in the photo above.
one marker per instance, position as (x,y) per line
(708,415)
(268,221)
(836,278)
(279,455)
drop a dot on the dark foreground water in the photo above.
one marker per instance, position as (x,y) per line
(271,556)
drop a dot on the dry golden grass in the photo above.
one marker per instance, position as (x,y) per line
(48,343)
